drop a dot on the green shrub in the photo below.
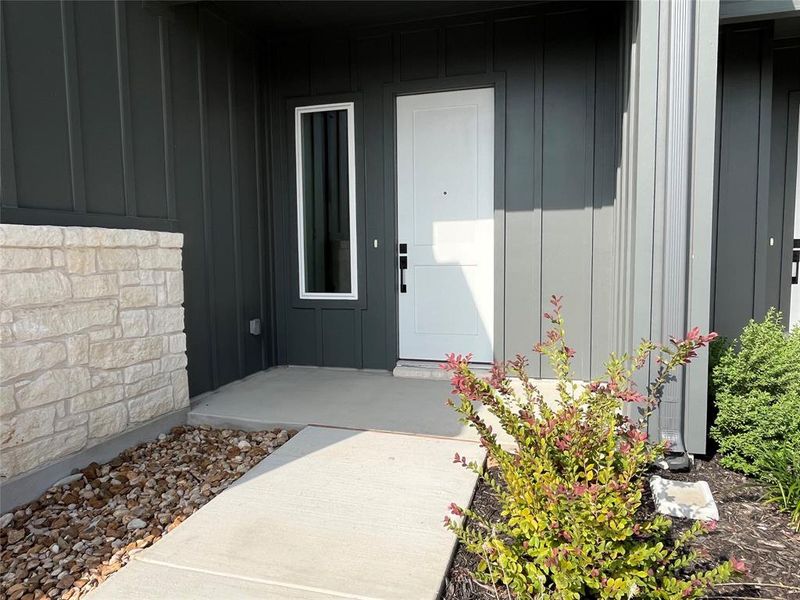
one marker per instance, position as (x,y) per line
(574,524)
(757,395)
(780,470)
(716,350)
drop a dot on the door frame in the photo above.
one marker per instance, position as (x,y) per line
(790,181)
(391,92)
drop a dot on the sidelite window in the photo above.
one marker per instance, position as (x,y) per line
(326,201)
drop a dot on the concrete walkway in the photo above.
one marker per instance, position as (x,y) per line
(335,512)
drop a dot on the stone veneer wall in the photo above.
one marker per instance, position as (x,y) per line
(91,338)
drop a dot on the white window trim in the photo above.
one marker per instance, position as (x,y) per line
(351,175)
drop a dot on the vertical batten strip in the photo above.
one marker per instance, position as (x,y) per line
(166,112)
(761,248)
(8,178)
(73,107)
(590,85)
(263,223)
(205,184)
(123,83)
(235,197)
(537,363)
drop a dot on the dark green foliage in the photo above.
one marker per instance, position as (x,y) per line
(780,470)
(757,389)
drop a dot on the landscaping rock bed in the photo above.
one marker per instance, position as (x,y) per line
(747,528)
(79,532)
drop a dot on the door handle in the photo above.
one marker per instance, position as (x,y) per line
(403,262)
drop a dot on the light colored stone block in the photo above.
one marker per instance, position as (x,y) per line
(172,362)
(150,405)
(34,288)
(26,426)
(71,421)
(123,353)
(32,236)
(174,287)
(137,372)
(7,404)
(147,385)
(65,319)
(177,343)
(21,360)
(100,335)
(6,316)
(81,260)
(160,258)
(59,260)
(94,286)
(180,388)
(128,278)
(22,259)
(168,239)
(25,458)
(6,334)
(137,297)
(133,237)
(166,320)
(105,378)
(109,238)
(150,277)
(161,293)
(684,499)
(96,398)
(117,259)
(133,322)
(53,385)
(107,420)
(78,350)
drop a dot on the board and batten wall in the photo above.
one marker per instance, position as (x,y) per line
(130,115)
(758,78)
(557,68)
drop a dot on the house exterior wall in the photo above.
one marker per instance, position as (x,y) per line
(91,338)
(116,114)
(759,83)
(555,75)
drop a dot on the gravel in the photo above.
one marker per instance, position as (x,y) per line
(89,525)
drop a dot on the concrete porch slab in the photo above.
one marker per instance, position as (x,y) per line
(293,397)
(334,512)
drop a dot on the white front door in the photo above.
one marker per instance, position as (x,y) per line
(445,197)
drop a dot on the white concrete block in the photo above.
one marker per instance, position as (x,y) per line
(684,499)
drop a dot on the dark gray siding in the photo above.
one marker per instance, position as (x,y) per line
(114,115)
(783,165)
(753,214)
(558,70)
